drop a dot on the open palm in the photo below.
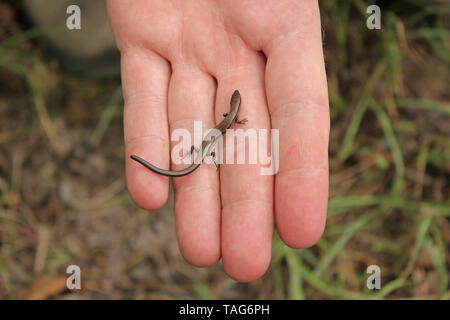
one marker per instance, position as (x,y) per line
(181,61)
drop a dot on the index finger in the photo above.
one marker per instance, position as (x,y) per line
(297,96)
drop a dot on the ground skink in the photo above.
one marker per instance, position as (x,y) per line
(208,142)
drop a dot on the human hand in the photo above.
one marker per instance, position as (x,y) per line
(181,61)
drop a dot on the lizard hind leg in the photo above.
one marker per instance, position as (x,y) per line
(213,155)
(188,153)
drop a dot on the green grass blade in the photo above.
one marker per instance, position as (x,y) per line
(349,137)
(347,234)
(295,279)
(395,149)
(438,106)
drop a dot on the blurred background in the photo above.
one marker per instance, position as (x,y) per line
(63,198)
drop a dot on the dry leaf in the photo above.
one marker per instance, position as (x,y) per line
(44,288)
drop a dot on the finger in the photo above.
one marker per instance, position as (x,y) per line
(145,78)
(247,206)
(197,202)
(298,103)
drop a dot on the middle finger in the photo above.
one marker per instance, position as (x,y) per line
(247,196)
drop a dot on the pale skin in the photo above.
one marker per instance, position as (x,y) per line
(181,61)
